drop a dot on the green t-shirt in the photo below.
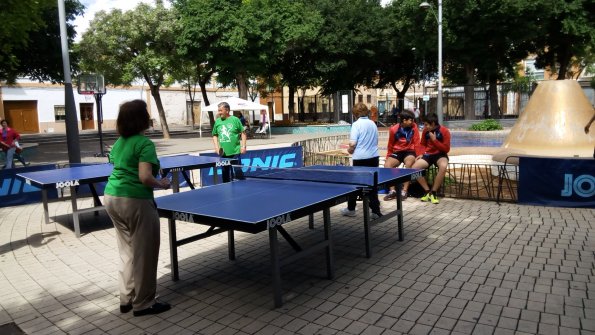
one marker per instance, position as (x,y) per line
(125,155)
(229,132)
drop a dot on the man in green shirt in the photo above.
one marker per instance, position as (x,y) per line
(229,137)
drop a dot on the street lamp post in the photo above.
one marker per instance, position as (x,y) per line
(425,5)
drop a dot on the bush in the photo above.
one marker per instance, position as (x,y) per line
(486,125)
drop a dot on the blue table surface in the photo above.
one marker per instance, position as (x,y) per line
(95,171)
(252,200)
(385,175)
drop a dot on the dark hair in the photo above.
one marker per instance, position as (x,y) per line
(3,120)
(224,105)
(432,118)
(133,118)
(407,114)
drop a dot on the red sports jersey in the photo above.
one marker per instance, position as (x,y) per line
(440,145)
(402,139)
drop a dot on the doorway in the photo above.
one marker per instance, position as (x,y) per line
(22,116)
(87,121)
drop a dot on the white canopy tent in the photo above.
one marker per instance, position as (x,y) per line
(235,104)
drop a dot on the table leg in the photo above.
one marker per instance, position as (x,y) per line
(231,245)
(366,205)
(330,259)
(275,267)
(400,213)
(75,213)
(44,199)
(175,181)
(173,249)
(311,221)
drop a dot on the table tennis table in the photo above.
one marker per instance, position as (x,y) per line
(72,177)
(386,177)
(293,193)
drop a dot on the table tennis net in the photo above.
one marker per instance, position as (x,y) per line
(360,178)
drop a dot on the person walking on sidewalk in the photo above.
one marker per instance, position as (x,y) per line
(363,145)
(130,204)
(10,145)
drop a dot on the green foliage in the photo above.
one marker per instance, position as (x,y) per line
(486,125)
(30,39)
(133,45)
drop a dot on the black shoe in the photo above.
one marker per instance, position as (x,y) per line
(125,308)
(158,307)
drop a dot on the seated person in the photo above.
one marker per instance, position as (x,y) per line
(403,138)
(245,123)
(434,147)
(264,124)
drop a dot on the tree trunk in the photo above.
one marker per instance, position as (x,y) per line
(205,98)
(162,120)
(470,92)
(494,107)
(291,103)
(242,87)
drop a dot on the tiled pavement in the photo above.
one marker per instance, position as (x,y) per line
(465,267)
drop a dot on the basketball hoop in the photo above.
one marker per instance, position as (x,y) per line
(90,84)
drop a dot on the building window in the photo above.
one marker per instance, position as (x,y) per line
(59,112)
(369,98)
(360,98)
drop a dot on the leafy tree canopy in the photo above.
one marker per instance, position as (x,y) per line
(30,39)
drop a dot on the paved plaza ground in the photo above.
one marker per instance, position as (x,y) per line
(465,267)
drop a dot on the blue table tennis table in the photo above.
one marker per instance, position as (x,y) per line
(385,177)
(72,177)
(293,193)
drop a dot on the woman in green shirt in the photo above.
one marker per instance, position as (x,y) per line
(129,203)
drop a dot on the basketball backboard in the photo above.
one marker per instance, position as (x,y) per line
(90,84)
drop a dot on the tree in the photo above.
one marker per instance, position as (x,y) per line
(30,39)
(226,34)
(132,45)
(567,41)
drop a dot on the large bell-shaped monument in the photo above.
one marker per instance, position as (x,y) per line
(553,123)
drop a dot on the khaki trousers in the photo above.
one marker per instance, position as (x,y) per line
(137,232)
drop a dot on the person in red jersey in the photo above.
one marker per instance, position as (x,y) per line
(433,150)
(403,138)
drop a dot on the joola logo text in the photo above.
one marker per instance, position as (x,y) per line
(183,217)
(583,186)
(416,175)
(69,183)
(223,163)
(277,221)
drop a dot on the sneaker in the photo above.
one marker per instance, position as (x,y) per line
(403,195)
(375,216)
(392,195)
(434,199)
(158,307)
(426,197)
(347,212)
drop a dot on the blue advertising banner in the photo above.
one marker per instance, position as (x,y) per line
(560,182)
(286,157)
(14,191)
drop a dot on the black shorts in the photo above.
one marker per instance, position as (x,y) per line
(433,159)
(401,155)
